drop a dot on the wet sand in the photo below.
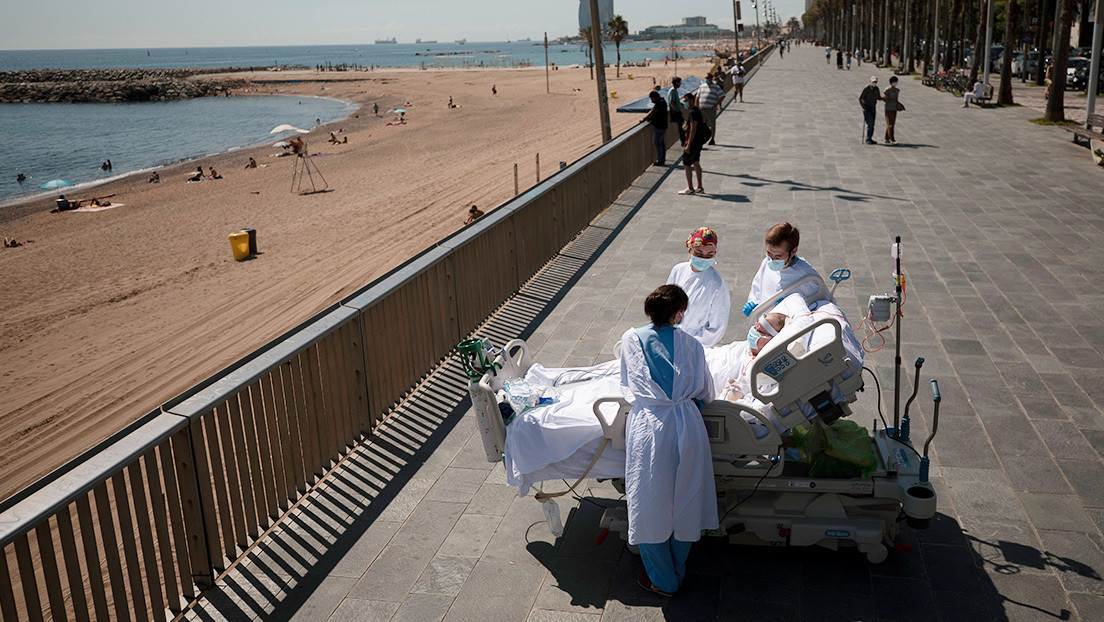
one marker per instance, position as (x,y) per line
(109,314)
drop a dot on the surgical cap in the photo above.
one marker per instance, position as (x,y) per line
(701,237)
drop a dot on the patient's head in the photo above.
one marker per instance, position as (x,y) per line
(666,305)
(764,330)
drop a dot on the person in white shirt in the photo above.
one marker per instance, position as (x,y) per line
(781,267)
(970,96)
(706,319)
(738,75)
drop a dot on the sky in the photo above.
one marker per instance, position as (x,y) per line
(91,24)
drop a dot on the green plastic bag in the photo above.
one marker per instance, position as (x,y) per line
(842,450)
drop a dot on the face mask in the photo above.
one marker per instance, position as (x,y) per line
(776,264)
(701,263)
(753,338)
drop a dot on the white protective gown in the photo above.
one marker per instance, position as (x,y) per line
(668,466)
(767,282)
(706,317)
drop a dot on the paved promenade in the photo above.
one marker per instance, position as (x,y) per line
(1002,224)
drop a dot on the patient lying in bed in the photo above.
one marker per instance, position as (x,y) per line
(558,441)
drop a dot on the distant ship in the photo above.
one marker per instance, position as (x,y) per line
(391,40)
(525,39)
(461,41)
(426,41)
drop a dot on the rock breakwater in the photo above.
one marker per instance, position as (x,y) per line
(113,85)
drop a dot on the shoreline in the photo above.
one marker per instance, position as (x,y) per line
(19,201)
(112,312)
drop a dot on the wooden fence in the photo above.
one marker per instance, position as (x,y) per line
(137,526)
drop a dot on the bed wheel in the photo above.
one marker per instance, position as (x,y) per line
(875,553)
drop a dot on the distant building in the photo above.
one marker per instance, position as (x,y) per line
(809,4)
(691,28)
(605,12)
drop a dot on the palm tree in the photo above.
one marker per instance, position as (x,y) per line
(1055,108)
(618,30)
(587,47)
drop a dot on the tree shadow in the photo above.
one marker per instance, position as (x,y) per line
(797,186)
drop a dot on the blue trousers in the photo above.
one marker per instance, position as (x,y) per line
(659,140)
(869,114)
(665,563)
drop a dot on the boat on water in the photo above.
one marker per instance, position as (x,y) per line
(391,40)
(426,41)
(461,41)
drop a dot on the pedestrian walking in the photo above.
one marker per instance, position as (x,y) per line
(891,97)
(868,99)
(696,132)
(828,54)
(847,60)
(676,108)
(839,59)
(709,96)
(739,74)
(657,117)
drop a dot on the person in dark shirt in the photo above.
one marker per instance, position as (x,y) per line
(63,204)
(657,116)
(695,139)
(868,99)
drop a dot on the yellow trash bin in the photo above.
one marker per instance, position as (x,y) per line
(614,94)
(239,243)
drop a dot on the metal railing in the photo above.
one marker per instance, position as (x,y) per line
(145,520)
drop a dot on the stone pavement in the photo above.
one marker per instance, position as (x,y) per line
(1001,222)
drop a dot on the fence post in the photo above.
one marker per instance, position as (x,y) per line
(517,190)
(195,524)
(538,168)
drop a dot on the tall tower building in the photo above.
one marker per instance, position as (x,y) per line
(605,12)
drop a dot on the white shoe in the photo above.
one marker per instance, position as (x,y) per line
(686,191)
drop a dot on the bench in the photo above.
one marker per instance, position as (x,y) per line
(1093,120)
(986,95)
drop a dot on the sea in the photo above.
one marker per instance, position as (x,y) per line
(71,141)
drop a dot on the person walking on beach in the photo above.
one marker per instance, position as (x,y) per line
(676,108)
(657,117)
(868,99)
(494,90)
(375,109)
(891,98)
(695,139)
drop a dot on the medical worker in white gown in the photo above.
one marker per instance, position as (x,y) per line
(781,267)
(707,316)
(668,466)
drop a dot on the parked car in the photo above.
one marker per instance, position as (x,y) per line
(1080,79)
(995,53)
(1075,63)
(1032,62)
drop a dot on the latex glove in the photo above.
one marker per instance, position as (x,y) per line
(748,308)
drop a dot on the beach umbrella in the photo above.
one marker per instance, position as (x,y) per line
(400,110)
(287,128)
(56,183)
(281,143)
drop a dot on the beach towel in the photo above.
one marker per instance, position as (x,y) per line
(96,208)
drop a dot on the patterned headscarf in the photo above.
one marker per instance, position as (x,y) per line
(702,237)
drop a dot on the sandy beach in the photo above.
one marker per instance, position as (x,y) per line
(108,314)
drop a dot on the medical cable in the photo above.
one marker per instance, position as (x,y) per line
(882,416)
(879,331)
(773,461)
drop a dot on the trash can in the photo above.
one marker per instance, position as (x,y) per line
(252,240)
(239,243)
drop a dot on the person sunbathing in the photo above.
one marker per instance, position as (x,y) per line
(252,163)
(214,173)
(154,178)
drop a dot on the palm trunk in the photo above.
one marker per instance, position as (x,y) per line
(618,44)
(979,42)
(1040,70)
(1011,18)
(1056,103)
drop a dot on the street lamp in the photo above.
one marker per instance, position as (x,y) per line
(758,31)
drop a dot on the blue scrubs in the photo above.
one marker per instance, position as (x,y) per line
(664,562)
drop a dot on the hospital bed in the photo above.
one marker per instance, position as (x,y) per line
(763,497)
